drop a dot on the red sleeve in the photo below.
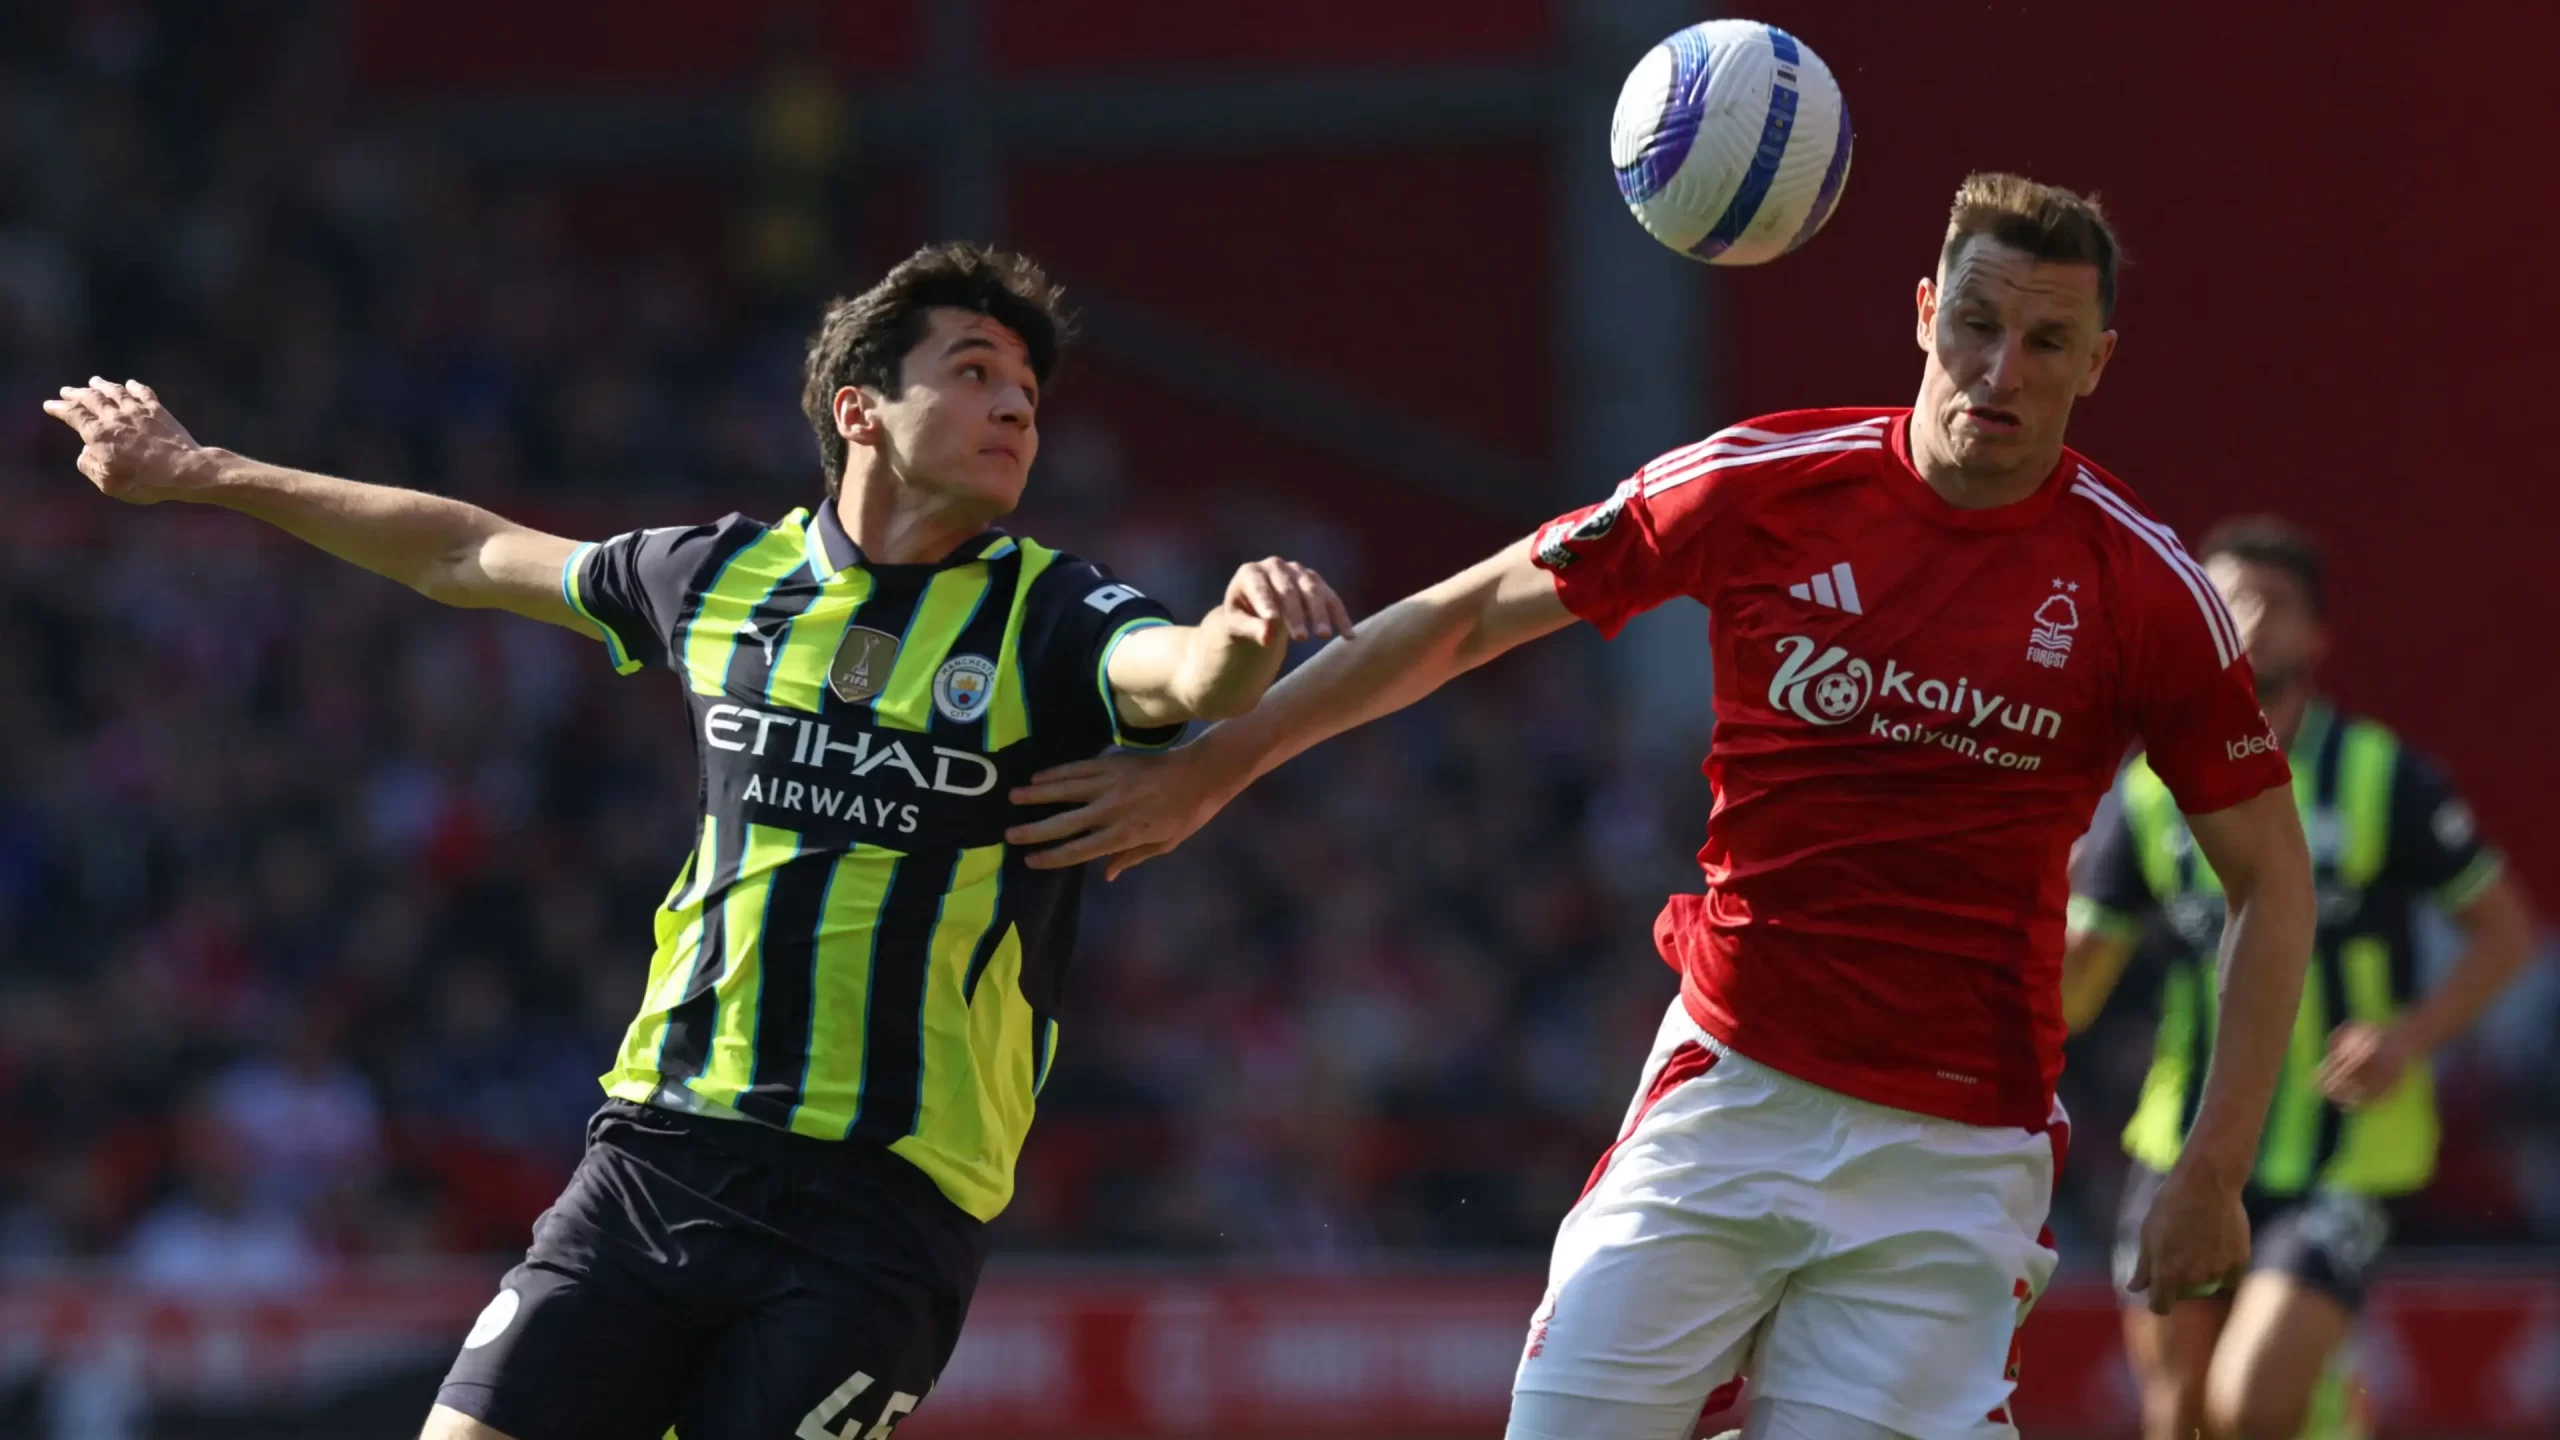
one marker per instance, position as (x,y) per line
(2195,700)
(1649,541)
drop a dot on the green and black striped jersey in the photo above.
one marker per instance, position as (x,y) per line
(2387,835)
(852,951)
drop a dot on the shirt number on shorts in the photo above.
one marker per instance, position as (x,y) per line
(813,1426)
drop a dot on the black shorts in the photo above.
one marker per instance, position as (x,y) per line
(729,1280)
(2327,1239)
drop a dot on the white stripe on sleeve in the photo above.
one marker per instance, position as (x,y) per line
(1674,479)
(2164,543)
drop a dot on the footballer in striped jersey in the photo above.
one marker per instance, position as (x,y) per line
(853,997)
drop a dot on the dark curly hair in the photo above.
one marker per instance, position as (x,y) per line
(865,338)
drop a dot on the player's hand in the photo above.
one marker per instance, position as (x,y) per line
(133,450)
(2195,1240)
(1276,598)
(2364,1062)
(1128,808)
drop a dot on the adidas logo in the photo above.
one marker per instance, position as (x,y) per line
(1838,590)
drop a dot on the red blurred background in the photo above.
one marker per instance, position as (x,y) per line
(2339,306)
(2337,310)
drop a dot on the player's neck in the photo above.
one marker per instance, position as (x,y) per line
(1977,490)
(894,523)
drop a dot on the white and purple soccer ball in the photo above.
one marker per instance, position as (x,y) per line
(1731,142)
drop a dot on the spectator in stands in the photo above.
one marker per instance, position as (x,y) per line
(215,1234)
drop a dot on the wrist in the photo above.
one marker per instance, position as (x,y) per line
(211,475)
(2215,1165)
(1227,756)
(2417,1034)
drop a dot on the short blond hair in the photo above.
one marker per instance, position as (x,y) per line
(2046,221)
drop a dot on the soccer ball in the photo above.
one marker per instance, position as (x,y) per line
(1731,142)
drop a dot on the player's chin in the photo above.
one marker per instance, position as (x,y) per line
(997,482)
(1976,441)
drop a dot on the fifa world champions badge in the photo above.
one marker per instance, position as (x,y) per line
(2049,644)
(862,662)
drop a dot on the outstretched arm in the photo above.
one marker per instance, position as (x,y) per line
(136,451)
(1404,652)
(1217,669)
(1133,809)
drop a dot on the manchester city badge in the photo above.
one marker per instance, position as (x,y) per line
(961,687)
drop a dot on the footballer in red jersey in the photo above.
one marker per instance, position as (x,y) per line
(1935,632)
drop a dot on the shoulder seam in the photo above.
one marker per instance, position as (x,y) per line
(1745,445)
(2163,542)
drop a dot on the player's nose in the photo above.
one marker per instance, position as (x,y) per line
(2007,363)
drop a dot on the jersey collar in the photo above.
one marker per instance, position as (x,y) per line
(1915,490)
(831,550)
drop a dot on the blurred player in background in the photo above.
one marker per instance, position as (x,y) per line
(2353,1120)
(1935,630)
(779,1219)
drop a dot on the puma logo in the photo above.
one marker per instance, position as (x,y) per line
(768,641)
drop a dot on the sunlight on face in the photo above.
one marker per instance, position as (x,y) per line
(2012,341)
(966,424)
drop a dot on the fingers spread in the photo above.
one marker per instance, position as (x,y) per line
(1339,613)
(1059,792)
(1293,610)
(1076,852)
(1056,827)
(1305,592)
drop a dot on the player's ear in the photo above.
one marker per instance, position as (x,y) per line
(857,416)
(1926,300)
(2098,364)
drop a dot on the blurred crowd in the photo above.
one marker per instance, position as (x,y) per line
(321,908)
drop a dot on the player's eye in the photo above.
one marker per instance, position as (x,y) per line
(1981,327)
(974,372)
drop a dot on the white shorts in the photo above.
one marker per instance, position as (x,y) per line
(1841,1254)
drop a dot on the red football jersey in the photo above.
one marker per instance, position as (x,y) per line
(1917,708)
